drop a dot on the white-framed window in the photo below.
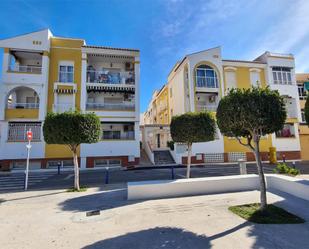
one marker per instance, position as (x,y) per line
(206,76)
(17,131)
(230,79)
(255,78)
(282,75)
(288,131)
(107,162)
(302,92)
(66,73)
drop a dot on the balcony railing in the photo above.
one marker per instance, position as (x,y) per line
(111,106)
(23,105)
(110,77)
(211,108)
(64,107)
(117,135)
(25,69)
(208,82)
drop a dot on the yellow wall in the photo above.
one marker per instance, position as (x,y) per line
(304,144)
(58,151)
(21,113)
(63,50)
(164,114)
(232,145)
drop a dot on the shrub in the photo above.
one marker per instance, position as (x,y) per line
(171,145)
(283,168)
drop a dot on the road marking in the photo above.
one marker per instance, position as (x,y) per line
(69,176)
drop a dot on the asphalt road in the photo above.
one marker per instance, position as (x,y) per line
(98,178)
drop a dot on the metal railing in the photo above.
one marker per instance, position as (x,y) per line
(111,106)
(211,108)
(106,77)
(23,105)
(64,107)
(113,135)
(208,82)
(25,69)
(18,131)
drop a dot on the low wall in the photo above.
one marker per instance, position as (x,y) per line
(293,186)
(215,185)
(194,186)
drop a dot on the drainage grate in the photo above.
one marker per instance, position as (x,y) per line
(92,213)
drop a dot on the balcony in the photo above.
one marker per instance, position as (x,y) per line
(110,77)
(209,108)
(118,131)
(124,106)
(25,69)
(23,106)
(63,107)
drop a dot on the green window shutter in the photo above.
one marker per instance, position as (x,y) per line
(306,85)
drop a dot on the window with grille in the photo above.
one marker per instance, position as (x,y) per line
(66,74)
(17,131)
(302,92)
(282,75)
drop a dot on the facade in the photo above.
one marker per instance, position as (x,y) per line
(43,73)
(199,80)
(303,90)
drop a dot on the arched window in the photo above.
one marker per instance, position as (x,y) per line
(206,76)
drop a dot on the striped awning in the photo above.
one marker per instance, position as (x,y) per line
(65,91)
(111,89)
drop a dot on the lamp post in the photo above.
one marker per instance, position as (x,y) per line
(29,137)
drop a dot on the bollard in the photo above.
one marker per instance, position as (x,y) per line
(59,165)
(173,173)
(242,166)
(106,176)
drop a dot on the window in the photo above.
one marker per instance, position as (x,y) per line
(171,92)
(66,74)
(17,131)
(302,92)
(287,131)
(111,134)
(116,131)
(206,77)
(107,162)
(282,75)
(255,78)
(230,77)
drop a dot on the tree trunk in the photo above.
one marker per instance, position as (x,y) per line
(261,173)
(189,160)
(76,169)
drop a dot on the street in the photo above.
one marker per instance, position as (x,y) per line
(94,178)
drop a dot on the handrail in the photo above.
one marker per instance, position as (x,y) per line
(25,69)
(23,105)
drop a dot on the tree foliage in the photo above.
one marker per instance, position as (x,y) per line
(193,127)
(71,128)
(307,110)
(246,111)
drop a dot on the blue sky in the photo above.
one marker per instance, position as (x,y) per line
(166,30)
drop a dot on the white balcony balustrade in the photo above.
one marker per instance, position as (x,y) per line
(63,107)
(23,105)
(25,69)
(106,77)
(210,108)
(125,106)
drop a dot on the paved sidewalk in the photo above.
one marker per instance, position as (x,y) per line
(57,219)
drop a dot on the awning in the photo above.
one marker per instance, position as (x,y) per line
(110,89)
(65,91)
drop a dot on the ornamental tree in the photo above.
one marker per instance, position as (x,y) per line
(249,114)
(192,128)
(72,129)
(307,110)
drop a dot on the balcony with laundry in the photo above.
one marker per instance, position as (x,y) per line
(110,73)
(207,102)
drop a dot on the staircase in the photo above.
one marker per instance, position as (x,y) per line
(144,160)
(163,157)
